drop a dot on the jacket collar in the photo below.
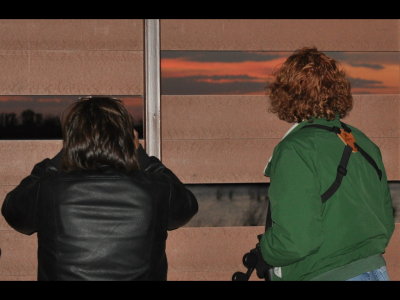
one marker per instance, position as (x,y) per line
(313,120)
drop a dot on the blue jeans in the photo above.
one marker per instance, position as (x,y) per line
(375,275)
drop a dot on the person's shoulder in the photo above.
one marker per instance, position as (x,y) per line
(293,144)
(356,131)
(299,139)
(80,176)
(361,137)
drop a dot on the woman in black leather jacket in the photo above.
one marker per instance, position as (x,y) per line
(101,207)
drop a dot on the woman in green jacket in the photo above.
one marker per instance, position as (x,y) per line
(331,208)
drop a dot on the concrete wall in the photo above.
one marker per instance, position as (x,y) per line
(71,57)
(84,57)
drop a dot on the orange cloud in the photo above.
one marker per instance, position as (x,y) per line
(388,75)
(175,67)
(16,98)
(370,80)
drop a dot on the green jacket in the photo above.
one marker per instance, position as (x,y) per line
(335,240)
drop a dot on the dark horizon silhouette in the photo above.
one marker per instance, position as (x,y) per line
(31,125)
(37,116)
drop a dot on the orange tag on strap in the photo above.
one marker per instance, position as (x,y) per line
(348,139)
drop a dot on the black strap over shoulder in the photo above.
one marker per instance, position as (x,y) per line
(333,129)
(340,173)
(370,160)
(342,168)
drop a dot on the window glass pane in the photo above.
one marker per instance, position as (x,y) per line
(230,204)
(248,73)
(37,117)
(245,204)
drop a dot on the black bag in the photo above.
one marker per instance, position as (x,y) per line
(253,259)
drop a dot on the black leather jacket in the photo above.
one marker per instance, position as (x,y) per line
(100,225)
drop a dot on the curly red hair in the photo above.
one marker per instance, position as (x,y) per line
(310,84)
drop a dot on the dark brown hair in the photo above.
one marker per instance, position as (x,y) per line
(310,84)
(98,131)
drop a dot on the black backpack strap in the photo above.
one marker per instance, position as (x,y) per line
(345,127)
(333,129)
(365,154)
(341,172)
(268,219)
(370,160)
(342,168)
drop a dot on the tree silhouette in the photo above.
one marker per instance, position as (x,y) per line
(29,125)
(28,117)
(8,119)
(32,125)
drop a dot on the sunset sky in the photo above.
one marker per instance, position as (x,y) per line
(244,73)
(54,105)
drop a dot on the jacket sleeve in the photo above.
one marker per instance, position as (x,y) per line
(20,205)
(388,205)
(295,210)
(182,204)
